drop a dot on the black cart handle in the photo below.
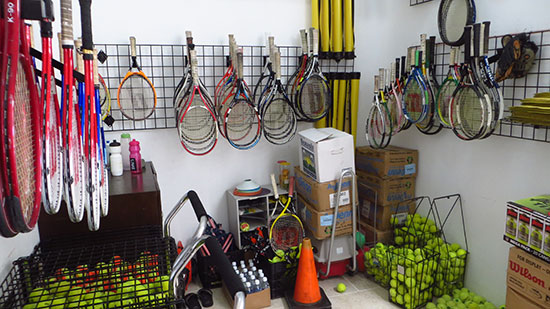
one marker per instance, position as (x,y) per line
(197,204)
(229,277)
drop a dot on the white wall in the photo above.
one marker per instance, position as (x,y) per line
(486,173)
(163,21)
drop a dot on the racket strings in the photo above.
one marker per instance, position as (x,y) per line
(242,123)
(413,99)
(24,145)
(470,112)
(287,233)
(137,97)
(314,98)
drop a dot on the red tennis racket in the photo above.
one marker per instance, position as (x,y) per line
(19,118)
(73,151)
(93,209)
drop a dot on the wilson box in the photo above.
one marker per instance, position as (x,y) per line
(319,223)
(321,195)
(389,162)
(325,152)
(384,214)
(529,277)
(389,191)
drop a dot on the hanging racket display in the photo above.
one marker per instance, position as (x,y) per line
(452,17)
(137,97)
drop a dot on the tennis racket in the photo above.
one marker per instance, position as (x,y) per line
(415,104)
(198,128)
(21,131)
(295,79)
(137,98)
(468,104)
(73,152)
(101,145)
(448,86)
(286,231)
(279,121)
(267,77)
(187,80)
(427,124)
(242,122)
(452,17)
(314,97)
(104,98)
(399,119)
(52,153)
(227,76)
(6,227)
(376,121)
(93,209)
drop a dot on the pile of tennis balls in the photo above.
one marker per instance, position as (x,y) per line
(461,299)
(412,276)
(376,264)
(415,232)
(106,285)
(452,265)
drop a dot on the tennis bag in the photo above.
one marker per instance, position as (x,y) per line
(225,239)
(516,57)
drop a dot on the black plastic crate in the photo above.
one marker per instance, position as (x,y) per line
(281,276)
(116,269)
(206,267)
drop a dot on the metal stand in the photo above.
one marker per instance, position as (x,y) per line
(347,172)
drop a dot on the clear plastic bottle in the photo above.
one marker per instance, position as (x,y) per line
(249,288)
(234,264)
(125,150)
(251,263)
(265,283)
(257,285)
(255,271)
(251,277)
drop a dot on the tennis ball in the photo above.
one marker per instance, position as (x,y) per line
(59,303)
(441,306)
(398,240)
(393,292)
(38,295)
(407,298)
(341,288)
(432,229)
(410,282)
(399,299)
(393,283)
(400,277)
(400,289)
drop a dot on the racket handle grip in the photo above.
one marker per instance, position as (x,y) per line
(96,72)
(232,282)
(271,42)
(277,64)
(79,59)
(133,46)
(86,19)
(240,73)
(59,39)
(315,41)
(303,36)
(467,43)
(197,204)
(476,39)
(274,185)
(66,22)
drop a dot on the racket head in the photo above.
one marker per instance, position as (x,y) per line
(242,123)
(279,123)
(467,113)
(414,100)
(136,97)
(197,126)
(24,163)
(452,17)
(286,232)
(444,96)
(314,97)
(376,127)
(105,98)
(75,176)
(52,183)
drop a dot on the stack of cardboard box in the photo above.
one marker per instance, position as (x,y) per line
(385,179)
(324,153)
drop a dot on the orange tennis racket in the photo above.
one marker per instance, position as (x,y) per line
(137,98)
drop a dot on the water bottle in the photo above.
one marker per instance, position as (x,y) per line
(115,158)
(261,272)
(248,288)
(257,285)
(234,264)
(265,283)
(255,271)
(135,157)
(252,277)
(125,150)
(251,263)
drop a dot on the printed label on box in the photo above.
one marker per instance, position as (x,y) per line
(339,250)
(410,169)
(344,198)
(326,220)
(308,159)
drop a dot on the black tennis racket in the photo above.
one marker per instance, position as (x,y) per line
(452,17)
(279,121)
(314,96)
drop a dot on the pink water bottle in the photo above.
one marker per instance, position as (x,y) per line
(135,157)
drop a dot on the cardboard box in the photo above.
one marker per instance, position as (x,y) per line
(319,223)
(529,277)
(373,235)
(389,162)
(321,195)
(546,237)
(512,219)
(325,152)
(389,191)
(384,214)
(256,300)
(516,300)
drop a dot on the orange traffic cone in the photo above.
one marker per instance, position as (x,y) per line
(307,292)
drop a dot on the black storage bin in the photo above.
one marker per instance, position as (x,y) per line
(206,268)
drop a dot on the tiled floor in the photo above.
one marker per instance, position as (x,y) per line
(360,293)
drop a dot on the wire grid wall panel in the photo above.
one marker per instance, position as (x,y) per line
(417,2)
(164,65)
(537,80)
